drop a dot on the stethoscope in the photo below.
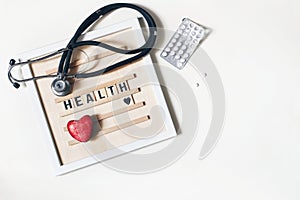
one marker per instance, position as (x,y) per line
(61,85)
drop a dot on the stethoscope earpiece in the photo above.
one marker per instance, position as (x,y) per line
(16,85)
(12,62)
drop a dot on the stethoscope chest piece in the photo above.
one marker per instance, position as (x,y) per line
(61,87)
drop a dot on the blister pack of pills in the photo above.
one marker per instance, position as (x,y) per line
(184,42)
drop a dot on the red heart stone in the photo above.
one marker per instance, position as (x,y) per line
(81,130)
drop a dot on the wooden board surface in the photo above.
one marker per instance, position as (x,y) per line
(121,101)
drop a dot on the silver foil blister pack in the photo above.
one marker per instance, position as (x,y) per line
(184,42)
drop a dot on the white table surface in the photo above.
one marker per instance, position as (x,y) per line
(255,46)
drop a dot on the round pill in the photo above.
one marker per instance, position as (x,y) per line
(193,33)
(176,35)
(174,40)
(182,27)
(182,60)
(179,44)
(172,53)
(186,55)
(179,31)
(175,49)
(183,47)
(198,35)
(164,54)
(180,52)
(179,64)
(177,57)
(191,49)
(167,49)
(182,39)
(171,45)
(191,25)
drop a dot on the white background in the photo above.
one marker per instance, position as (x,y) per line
(255,46)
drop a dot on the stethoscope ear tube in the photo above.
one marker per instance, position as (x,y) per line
(61,86)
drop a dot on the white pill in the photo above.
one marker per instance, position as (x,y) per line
(164,54)
(182,39)
(186,55)
(191,49)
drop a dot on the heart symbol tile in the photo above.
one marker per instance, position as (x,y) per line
(127,100)
(81,130)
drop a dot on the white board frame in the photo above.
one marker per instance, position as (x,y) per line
(32,90)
